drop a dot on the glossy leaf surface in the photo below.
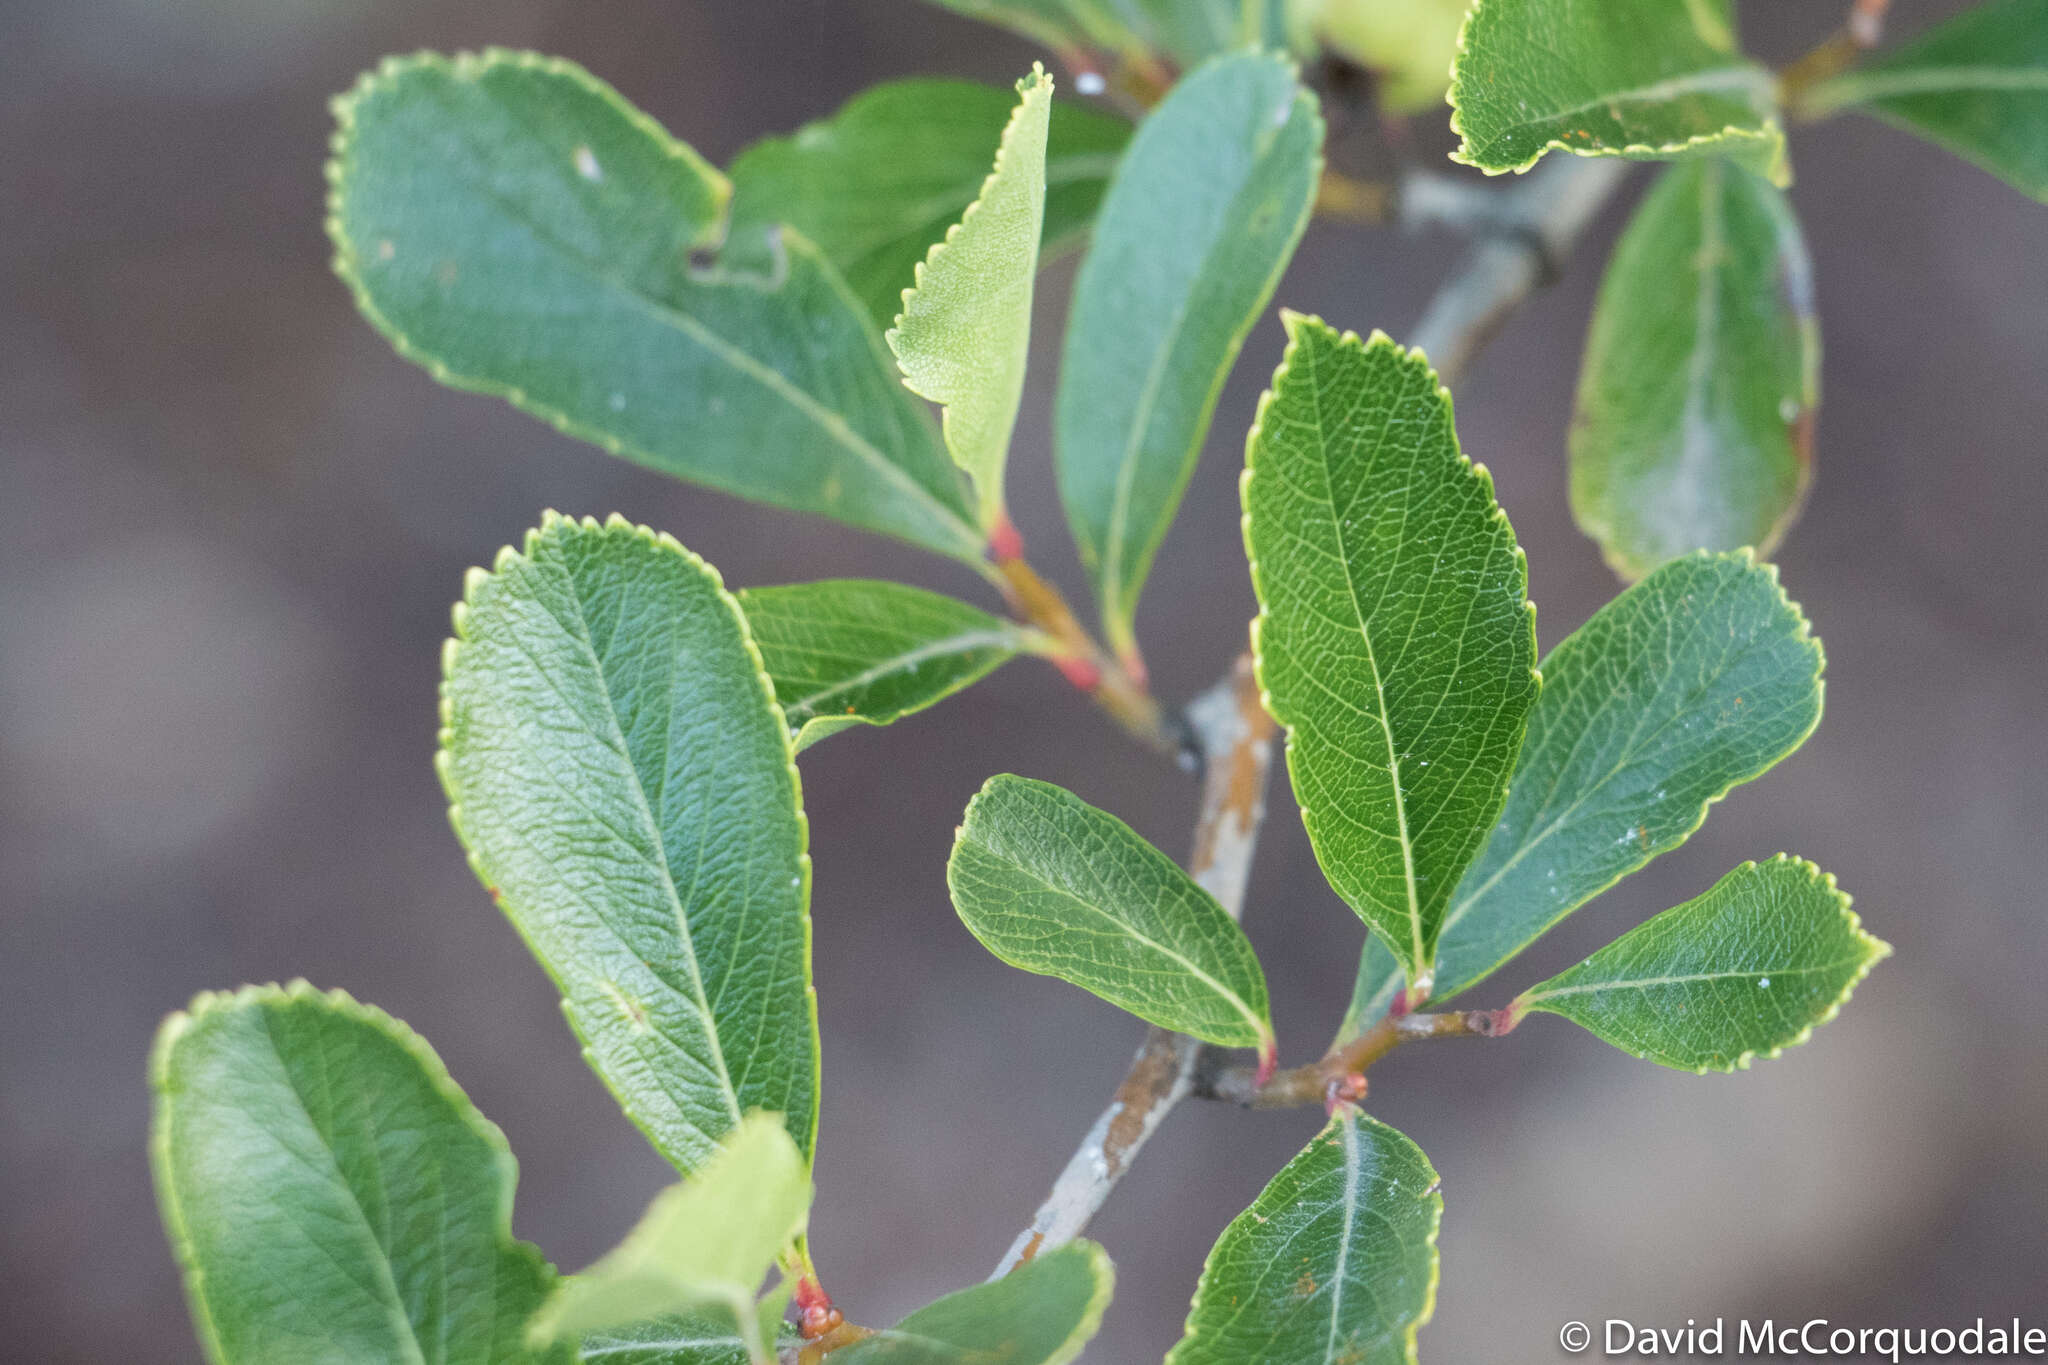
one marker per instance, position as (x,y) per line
(1395,640)
(1694,421)
(708,1241)
(1700,677)
(965,329)
(624,783)
(331,1194)
(1643,79)
(517,228)
(1977,85)
(857,651)
(878,182)
(1041,1313)
(1335,1263)
(1749,969)
(1052,885)
(1198,225)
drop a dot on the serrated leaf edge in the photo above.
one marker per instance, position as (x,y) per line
(161,1135)
(1875,950)
(1771,134)
(1802,633)
(345,259)
(451,651)
(1418,973)
(991,499)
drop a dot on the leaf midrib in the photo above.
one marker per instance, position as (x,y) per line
(1719,79)
(617,742)
(807,707)
(1338,1276)
(831,423)
(1632,749)
(1419,966)
(381,1255)
(1686,978)
(1928,80)
(1127,468)
(1131,931)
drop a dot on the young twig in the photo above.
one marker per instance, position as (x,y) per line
(1233,737)
(1341,1073)
(1117,686)
(1527,237)
(1524,244)
(1862,30)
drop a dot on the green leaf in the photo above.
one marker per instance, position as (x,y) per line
(1335,1263)
(624,783)
(1185,31)
(1750,968)
(1700,677)
(330,1192)
(1198,225)
(965,330)
(1041,1313)
(708,1241)
(1190,31)
(1052,885)
(1977,85)
(877,183)
(1410,45)
(857,651)
(517,228)
(1395,640)
(694,1338)
(1642,79)
(1694,419)
(1069,27)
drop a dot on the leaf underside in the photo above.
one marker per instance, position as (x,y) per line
(1194,234)
(853,651)
(1977,85)
(1695,413)
(1052,885)
(1395,640)
(877,183)
(1335,1263)
(1748,969)
(1041,1313)
(965,330)
(1700,677)
(624,783)
(331,1195)
(1643,79)
(707,1241)
(517,228)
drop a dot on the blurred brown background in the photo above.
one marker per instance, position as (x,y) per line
(232,521)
